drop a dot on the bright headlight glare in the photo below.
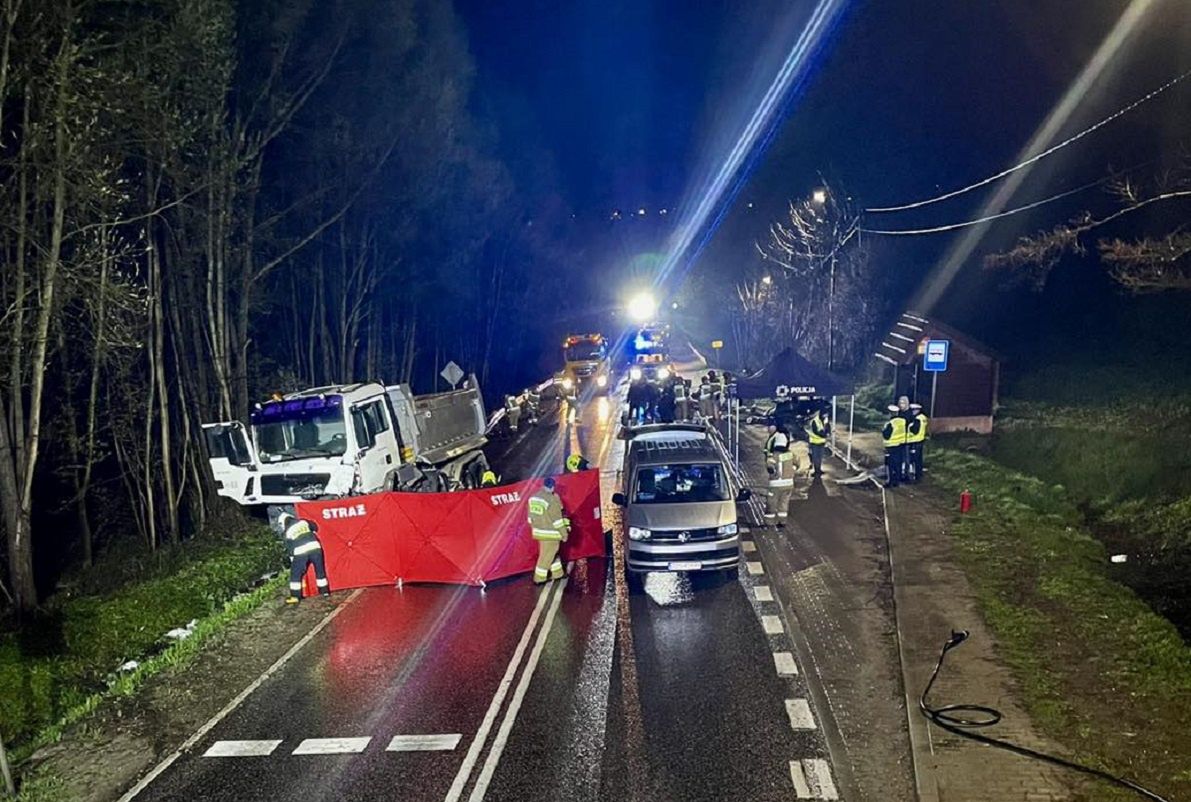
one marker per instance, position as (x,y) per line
(637,533)
(568,383)
(602,381)
(663,373)
(726,529)
(635,374)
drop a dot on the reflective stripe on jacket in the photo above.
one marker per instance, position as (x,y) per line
(894,433)
(816,433)
(300,538)
(916,430)
(546,518)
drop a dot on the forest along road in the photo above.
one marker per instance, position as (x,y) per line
(579,690)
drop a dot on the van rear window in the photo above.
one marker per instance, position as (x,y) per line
(680,484)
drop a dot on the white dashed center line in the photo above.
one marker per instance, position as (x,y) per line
(423,743)
(812,779)
(800,714)
(755,568)
(763,593)
(784,662)
(748,545)
(772,625)
(241,748)
(332,746)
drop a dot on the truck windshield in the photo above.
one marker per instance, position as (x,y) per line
(680,484)
(300,434)
(585,352)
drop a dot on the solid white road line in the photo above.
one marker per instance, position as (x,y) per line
(477,744)
(332,746)
(241,748)
(755,568)
(506,726)
(748,545)
(818,774)
(423,743)
(799,712)
(236,702)
(763,593)
(772,625)
(784,663)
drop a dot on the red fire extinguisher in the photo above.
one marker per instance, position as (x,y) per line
(965,501)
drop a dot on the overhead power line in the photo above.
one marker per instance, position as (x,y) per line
(985,219)
(1074,138)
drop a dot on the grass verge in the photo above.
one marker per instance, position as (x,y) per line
(1100,671)
(59,668)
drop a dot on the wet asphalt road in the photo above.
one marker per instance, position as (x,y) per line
(580,691)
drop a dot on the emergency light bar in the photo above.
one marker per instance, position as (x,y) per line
(297,407)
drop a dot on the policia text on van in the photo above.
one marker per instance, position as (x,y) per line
(680,502)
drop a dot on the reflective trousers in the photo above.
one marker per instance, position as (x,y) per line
(297,570)
(549,564)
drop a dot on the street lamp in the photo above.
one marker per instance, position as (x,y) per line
(819,196)
(766,280)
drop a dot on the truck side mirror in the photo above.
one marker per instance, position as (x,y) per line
(744,495)
(619,500)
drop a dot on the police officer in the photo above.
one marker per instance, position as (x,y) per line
(818,428)
(893,436)
(301,538)
(549,526)
(512,412)
(576,463)
(916,434)
(779,464)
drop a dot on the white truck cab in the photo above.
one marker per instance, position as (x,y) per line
(346,440)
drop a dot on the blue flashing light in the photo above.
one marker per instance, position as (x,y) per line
(296,409)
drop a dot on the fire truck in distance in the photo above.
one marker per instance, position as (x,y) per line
(587,363)
(348,440)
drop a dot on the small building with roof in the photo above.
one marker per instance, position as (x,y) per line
(964,396)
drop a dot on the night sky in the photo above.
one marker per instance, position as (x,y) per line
(626,104)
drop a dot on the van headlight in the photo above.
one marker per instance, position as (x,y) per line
(568,383)
(635,374)
(726,529)
(601,381)
(637,533)
(663,374)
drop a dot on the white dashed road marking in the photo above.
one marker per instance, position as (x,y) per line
(784,662)
(755,568)
(423,743)
(799,712)
(812,779)
(332,746)
(241,748)
(748,545)
(763,593)
(772,625)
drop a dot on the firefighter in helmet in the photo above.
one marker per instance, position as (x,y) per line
(305,550)
(779,464)
(549,526)
(576,463)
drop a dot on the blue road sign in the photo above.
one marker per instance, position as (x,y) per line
(934,359)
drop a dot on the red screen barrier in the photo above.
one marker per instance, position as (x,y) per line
(466,538)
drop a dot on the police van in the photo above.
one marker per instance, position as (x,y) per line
(679,496)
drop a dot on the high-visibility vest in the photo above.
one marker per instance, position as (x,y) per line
(300,538)
(816,433)
(894,433)
(680,391)
(778,447)
(916,431)
(546,519)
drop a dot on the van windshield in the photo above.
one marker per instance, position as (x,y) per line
(680,484)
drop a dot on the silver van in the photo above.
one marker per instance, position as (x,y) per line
(679,498)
